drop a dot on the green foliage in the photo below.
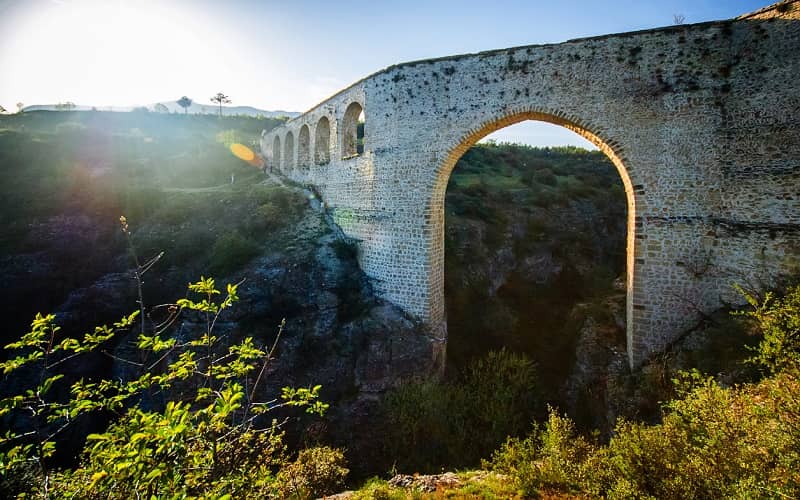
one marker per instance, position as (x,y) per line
(552,223)
(378,489)
(548,458)
(213,440)
(228,137)
(231,251)
(315,473)
(433,424)
(778,321)
(713,442)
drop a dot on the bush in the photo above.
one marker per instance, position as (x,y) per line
(278,209)
(208,442)
(545,176)
(714,441)
(317,472)
(231,252)
(777,319)
(211,439)
(548,458)
(433,425)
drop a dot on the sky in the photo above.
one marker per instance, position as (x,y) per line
(289,54)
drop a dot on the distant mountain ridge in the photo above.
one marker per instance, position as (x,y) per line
(173,107)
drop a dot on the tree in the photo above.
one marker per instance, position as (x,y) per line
(220,98)
(2,109)
(184,102)
(160,108)
(678,19)
(20,106)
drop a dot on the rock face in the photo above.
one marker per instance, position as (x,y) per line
(337,332)
(66,254)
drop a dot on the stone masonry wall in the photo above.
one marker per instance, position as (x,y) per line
(701,121)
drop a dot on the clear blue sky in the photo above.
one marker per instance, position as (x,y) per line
(287,54)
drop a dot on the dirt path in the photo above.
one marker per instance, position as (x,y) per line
(271,179)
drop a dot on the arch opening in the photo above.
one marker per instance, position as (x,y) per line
(276,152)
(533,191)
(322,142)
(352,131)
(303,147)
(288,151)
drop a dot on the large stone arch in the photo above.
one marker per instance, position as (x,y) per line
(457,150)
(288,151)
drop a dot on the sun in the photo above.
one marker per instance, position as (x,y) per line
(110,52)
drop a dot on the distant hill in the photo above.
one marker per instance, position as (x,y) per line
(173,107)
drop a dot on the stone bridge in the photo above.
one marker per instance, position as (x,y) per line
(701,121)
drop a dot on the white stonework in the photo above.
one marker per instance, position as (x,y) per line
(700,120)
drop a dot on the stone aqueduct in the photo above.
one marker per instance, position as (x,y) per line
(701,121)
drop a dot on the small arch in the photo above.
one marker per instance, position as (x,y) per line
(276,152)
(322,142)
(288,151)
(304,147)
(353,131)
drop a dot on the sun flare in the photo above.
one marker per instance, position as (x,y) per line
(112,52)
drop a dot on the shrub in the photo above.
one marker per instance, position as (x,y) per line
(548,458)
(777,319)
(501,397)
(278,208)
(545,176)
(212,439)
(433,424)
(231,252)
(317,472)
(713,442)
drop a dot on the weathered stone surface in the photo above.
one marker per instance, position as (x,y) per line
(700,120)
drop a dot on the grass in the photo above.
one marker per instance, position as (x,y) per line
(471,484)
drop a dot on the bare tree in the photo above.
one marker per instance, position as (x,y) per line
(678,19)
(220,98)
(184,102)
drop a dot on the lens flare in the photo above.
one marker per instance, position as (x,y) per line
(242,152)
